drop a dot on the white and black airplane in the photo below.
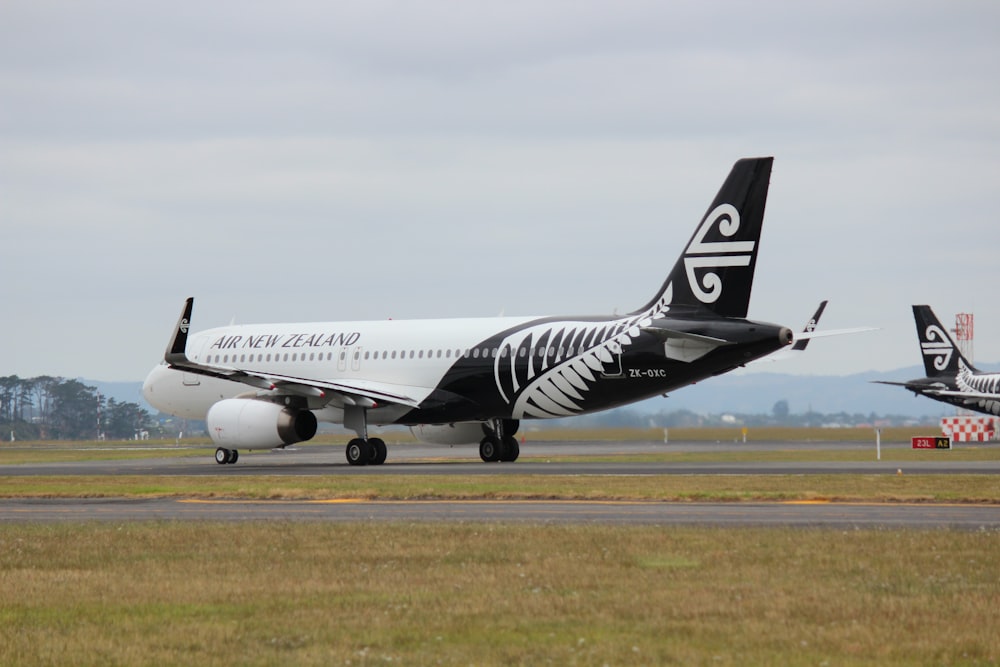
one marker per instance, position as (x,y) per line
(467,381)
(950,377)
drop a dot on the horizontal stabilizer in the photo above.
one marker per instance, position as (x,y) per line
(682,345)
(971,395)
(674,334)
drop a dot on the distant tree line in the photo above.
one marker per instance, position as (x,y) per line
(44,408)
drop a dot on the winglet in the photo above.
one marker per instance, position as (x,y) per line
(176,349)
(800,343)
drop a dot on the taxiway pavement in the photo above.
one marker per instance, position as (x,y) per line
(431,460)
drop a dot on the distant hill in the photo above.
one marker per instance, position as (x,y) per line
(742,392)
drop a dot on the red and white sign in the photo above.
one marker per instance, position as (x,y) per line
(931,442)
(969,429)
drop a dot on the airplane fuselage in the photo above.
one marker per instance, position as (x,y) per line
(463,369)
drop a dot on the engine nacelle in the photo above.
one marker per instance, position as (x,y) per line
(461,433)
(243,423)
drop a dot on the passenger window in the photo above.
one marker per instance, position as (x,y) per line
(447,353)
(394,354)
(420,355)
(475,353)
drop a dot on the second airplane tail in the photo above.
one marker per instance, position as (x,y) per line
(716,270)
(941,356)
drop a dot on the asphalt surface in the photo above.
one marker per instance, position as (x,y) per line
(464,460)
(429,460)
(844,516)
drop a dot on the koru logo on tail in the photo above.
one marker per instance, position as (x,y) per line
(718,254)
(937,345)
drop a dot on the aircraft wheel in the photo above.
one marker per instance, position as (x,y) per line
(511,450)
(234,456)
(489,449)
(358,452)
(379,451)
(221,455)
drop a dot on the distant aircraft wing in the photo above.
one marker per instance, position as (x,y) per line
(972,395)
(365,393)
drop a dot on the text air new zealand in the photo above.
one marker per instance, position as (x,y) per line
(472,381)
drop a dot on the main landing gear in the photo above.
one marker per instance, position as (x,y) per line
(226,455)
(500,443)
(362,452)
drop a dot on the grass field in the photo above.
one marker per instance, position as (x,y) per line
(288,593)
(488,594)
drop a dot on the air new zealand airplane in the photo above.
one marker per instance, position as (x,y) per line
(456,381)
(950,377)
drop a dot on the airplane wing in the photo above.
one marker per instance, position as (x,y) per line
(809,332)
(804,335)
(364,393)
(931,391)
(971,395)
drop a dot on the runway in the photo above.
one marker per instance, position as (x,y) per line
(413,459)
(430,460)
(826,515)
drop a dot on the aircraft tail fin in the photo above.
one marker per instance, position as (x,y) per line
(716,268)
(941,356)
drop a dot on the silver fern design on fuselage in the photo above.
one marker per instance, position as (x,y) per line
(983,383)
(546,370)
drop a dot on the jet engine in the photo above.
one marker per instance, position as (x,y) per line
(250,424)
(461,433)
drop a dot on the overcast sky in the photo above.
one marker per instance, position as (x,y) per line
(317,161)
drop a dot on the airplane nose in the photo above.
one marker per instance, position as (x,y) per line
(149,384)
